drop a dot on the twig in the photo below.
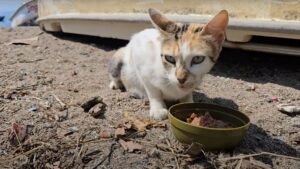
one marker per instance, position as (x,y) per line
(108,156)
(239,164)
(176,160)
(63,105)
(67,145)
(77,148)
(133,134)
(2,108)
(95,140)
(25,153)
(163,147)
(18,139)
(31,61)
(258,154)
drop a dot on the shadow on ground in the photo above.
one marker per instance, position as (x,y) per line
(259,67)
(257,139)
(238,64)
(106,44)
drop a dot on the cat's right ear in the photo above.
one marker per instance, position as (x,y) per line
(160,22)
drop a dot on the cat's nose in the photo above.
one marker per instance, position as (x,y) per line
(181,80)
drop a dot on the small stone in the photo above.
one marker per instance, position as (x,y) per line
(120,132)
(295,121)
(48,125)
(88,104)
(3,152)
(154,153)
(97,110)
(273,99)
(74,73)
(296,138)
(49,80)
(84,53)
(289,108)
(73,129)
(105,135)
(62,116)
(251,87)
(33,108)
(29,129)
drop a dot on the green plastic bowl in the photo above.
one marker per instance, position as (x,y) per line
(209,138)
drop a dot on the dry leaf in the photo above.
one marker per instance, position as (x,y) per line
(105,134)
(97,110)
(159,125)
(120,132)
(259,163)
(17,133)
(127,124)
(133,146)
(126,114)
(195,149)
(140,125)
(130,146)
(123,144)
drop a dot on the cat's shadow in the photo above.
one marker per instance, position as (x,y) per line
(200,97)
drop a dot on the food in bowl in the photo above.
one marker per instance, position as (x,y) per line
(207,120)
(210,138)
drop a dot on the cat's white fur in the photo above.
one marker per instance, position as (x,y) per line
(142,65)
(144,73)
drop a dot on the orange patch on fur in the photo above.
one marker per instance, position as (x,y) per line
(182,73)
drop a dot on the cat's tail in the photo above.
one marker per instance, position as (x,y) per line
(114,69)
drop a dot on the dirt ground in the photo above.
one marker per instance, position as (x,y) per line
(72,69)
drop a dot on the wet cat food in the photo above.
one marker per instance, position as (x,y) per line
(207,120)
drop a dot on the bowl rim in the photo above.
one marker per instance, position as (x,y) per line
(170,115)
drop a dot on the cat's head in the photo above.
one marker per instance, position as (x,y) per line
(189,50)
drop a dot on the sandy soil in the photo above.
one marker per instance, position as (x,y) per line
(73,68)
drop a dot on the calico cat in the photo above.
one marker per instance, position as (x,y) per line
(167,63)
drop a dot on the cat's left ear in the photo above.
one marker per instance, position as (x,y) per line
(160,22)
(217,27)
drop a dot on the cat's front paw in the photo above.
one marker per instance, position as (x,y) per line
(159,114)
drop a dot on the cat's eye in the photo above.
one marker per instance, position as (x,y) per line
(197,59)
(170,59)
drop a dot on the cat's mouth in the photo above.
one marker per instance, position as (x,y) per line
(187,86)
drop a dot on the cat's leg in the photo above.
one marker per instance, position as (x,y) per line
(114,69)
(187,99)
(158,109)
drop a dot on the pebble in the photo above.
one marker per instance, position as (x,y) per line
(33,108)
(73,129)
(289,108)
(89,103)
(154,153)
(295,121)
(48,125)
(61,116)
(97,110)
(251,87)
(273,99)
